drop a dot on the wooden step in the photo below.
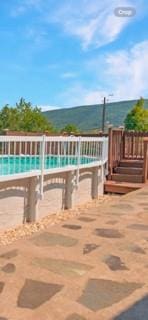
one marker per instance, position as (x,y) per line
(131,163)
(128,170)
(127,178)
(121,187)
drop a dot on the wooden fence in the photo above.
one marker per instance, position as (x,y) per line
(128,145)
(133,146)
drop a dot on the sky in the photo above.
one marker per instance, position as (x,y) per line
(64,53)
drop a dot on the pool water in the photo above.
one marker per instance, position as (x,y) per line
(21,164)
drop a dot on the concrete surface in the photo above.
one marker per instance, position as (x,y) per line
(95,268)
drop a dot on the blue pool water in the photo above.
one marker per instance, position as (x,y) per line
(21,164)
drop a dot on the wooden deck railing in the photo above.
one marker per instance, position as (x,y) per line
(133,146)
(115,148)
(145,164)
(128,145)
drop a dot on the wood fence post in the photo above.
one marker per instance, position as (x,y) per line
(145,163)
(110,152)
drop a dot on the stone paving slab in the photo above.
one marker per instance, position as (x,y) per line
(93,266)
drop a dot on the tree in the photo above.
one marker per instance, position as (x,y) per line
(137,118)
(23,117)
(70,129)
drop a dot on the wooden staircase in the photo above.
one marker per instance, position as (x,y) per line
(127,161)
(126,177)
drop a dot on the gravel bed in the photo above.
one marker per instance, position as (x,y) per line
(10,235)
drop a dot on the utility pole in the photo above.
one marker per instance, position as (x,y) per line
(104,111)
(103,114)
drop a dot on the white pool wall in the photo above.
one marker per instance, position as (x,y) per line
(20,201)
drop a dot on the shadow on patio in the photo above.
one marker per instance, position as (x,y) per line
(137,311)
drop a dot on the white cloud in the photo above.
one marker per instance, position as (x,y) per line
(38,37)
(68,75)
(94,97)
(123,73)
(48,107)
(93,22)
(24,5)
(18,11)
(78,94)
(128,71)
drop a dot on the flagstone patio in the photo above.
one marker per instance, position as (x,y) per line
(93,266)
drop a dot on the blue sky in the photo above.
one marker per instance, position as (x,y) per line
(58,53)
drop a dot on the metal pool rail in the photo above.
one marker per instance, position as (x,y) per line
(24,156)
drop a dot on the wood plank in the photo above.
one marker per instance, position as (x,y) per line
(127,178)
(131,163)
(121,187)
(128,170)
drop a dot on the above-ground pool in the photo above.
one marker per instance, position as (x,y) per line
(20,164)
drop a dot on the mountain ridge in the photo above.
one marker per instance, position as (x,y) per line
(89,117)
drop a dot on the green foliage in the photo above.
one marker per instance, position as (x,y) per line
(70,129)
(137,118)
(88,118)
(23,117)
